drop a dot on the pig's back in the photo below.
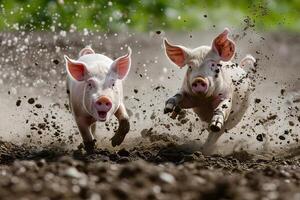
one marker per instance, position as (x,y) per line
(234,71)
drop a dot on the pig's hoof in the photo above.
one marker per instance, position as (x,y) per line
(169,108)
(215,128)
(216,124)
(170,105)
(119,136)
(89,147)
(117,139)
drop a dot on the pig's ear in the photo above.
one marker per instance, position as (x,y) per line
(177,54)
(86,50)
(76,69)
(223,46)
(121,65)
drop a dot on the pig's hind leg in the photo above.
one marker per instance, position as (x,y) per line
(124,126)
(209,145)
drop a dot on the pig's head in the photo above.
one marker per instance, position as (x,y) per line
(203,63)
(101,80)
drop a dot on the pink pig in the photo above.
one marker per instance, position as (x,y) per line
(214,87)
(94,85)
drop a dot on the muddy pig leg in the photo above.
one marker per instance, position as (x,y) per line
(177,102)
(210,142)
(93,129)
(124,126)
(216,127)
(221,114)
(84,126)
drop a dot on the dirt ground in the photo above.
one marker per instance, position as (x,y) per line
(40,152)
(159,171)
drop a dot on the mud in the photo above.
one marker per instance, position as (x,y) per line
(159,171)
(41,156)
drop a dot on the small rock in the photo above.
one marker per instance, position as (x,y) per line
(38,105)
(259,137)
(156,189)
(18,103)
(166,177)
(257,100)
(123,153)
(31,101)
(73,173)
(281,137)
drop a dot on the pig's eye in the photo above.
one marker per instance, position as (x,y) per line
(212,64)
(113,85)
(90,84)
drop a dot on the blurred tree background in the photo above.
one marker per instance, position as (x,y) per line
(147,15)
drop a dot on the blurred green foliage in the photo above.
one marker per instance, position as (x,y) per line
(145,15)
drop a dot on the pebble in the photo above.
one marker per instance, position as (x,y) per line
(166,177)
(73,173)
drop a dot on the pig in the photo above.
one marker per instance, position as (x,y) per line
(95,90)
(214,87)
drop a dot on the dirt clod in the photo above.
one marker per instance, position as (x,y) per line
(31,100)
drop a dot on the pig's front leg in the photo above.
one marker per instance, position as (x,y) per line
(84,125)
(220,115)
(173,102)
(124,126)
(179,101)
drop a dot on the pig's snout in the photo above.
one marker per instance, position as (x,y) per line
(200,85)
(103,105)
